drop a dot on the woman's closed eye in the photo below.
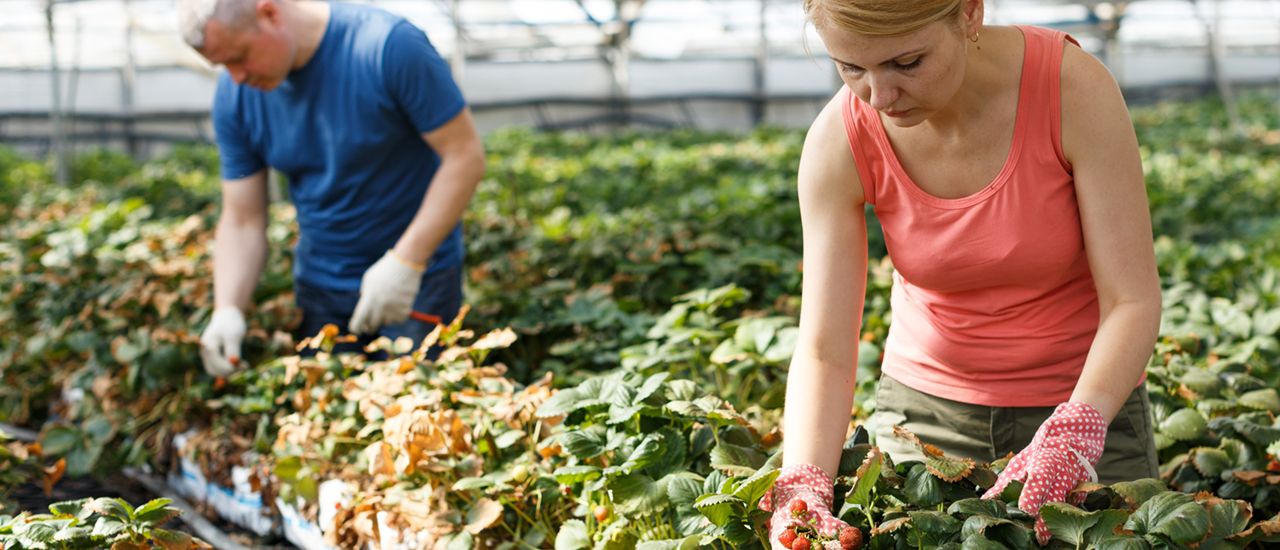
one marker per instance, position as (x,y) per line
(907,65)
(901,65)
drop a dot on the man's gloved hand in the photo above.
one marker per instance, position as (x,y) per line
(800,483)
(387,291)
(1063,453)
(220,342)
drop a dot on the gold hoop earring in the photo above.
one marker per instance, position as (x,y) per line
(974,38)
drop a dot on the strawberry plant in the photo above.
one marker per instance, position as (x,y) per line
(97,523)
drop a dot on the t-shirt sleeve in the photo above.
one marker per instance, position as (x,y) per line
(237,157)
(419,79)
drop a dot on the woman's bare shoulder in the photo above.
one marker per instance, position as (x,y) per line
(827,162)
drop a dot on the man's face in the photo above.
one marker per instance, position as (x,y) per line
(259,55)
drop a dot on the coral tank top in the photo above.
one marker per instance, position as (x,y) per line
(993,302)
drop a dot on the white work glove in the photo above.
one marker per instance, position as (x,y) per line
(220,342)
(387,291)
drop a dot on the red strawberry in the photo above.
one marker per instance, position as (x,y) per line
(800,544)
(601,513)
(799,507)
(787,538)
(850,538)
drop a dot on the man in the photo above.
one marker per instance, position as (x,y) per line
(357,109)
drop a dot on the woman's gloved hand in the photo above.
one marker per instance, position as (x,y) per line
(1063,453)
(801,495)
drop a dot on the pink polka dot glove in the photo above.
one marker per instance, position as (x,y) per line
(1063,453)
(801,483)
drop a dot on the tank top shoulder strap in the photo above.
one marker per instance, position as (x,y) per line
(1041,90)
(871,152)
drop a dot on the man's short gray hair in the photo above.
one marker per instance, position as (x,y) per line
(195,15)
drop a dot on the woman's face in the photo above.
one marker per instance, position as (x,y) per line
(907,78)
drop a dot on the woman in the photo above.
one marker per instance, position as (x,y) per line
(1004,170)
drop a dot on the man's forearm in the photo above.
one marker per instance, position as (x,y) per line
(239,254)
(451,189)
(1119,354)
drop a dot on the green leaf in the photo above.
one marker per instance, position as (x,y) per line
(738,534)
(922,488)
(1001,530)
(684,488)
(461,541)
(720,509)
(937,525)
(59,440)
(171,540)
(1184,425)
(570,475)
(475,483)
(649,451)
(573,536)
(1138,492)
(1172,514)
(585,443)
(107,526)
(651,385)
(868,475)
(638,494)
(78,535)
(1123,542)
(675,453)
(1108,521)
(509,438)
(978,506)
(1067,522)
(1264,399)
(156,512)
(1210,462)
(76,508)
(737,460)
(112,507)
(1202,381)
(979,542)
(754,488)
(1226,518)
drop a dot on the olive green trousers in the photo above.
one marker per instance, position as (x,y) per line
(988,433)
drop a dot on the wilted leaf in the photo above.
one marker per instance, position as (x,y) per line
(483,514)
(890,526)
(867,476)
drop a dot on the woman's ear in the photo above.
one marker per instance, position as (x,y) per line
(973,15)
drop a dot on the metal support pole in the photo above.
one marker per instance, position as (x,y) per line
(55,111)
(128,80)
(761,64)
(458,60)
(1217,54)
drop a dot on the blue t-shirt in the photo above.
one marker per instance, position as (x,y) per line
(346,129)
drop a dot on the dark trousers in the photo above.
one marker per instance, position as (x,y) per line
(440,295)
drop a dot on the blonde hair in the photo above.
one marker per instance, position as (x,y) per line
(881,17)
